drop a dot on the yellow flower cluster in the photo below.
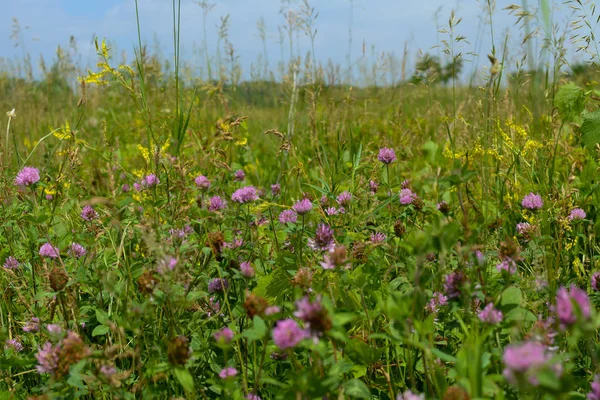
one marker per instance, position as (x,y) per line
(514,138)
(145,151)
(99,78)
(473,153)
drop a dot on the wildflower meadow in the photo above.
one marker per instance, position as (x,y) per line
(176,229)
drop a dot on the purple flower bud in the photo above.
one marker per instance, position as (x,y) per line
(532,202)
(88,213)
(27,176)
(76,250)
(247,269)
(576,214)
(275,189)
(202,182)
(303,206)
(287,334)
(11,263)
(373,186)
(288,216)
(344,199)
(150,181)
(13,344)
(239,175)
(490,315)
(386,155)
(378,237)
(228,372)
(218,285)
(47,250)
(224,336)
(407,196)
(216,203)
(595,281)
(245,195)
(571,303)
(323,238)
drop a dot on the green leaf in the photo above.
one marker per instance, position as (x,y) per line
(6,395)
(44,295)
(100,330)
(341,319)
(442,356)
(279,284)
(185,379)
(102,316)
(520,314)
(361,353)
(511,298)
(260,326)
(547,378)
(257,332)
(75,376)
(357,389)
(570,101)
(261,288)
(341,367)
(590,129)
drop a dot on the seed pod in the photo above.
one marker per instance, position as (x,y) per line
(456,393)
(399,228)
(255,305)
(58,279)
(215,242)
(178,350)
(303,278)
(358,252)
(146,282)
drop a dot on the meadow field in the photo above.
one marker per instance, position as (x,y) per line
(412,231)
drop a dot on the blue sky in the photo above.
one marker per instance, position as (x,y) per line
(384,24)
